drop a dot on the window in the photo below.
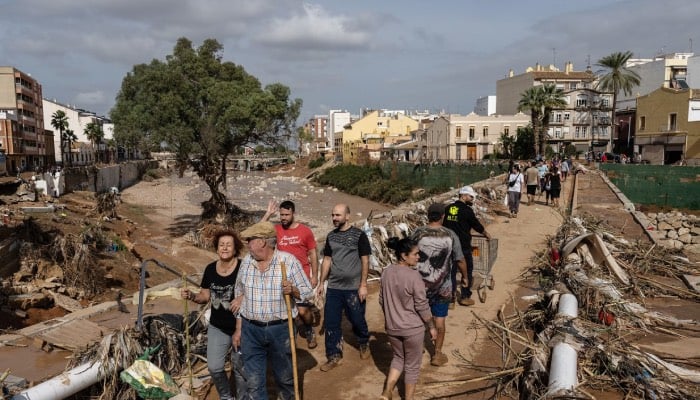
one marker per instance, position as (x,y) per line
(567,116)
(472,132)
(672,122)
(605,102)
(581,101)
(573,85)
(506,130)
(557,117)
(485,131)
(557,133)
(459,132)
(642,123)
(577,132)
(584,131)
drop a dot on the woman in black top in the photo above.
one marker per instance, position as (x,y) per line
(217,286)
(554,180)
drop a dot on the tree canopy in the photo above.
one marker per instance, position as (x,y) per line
(201,108)
(541,101)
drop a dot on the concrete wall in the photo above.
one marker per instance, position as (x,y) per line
(100,180)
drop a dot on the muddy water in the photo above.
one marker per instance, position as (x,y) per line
(252,191)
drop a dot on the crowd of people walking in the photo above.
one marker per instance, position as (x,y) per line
(250,295)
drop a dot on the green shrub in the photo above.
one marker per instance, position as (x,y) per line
(317,162)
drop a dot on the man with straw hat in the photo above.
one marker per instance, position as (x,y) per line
(262,332)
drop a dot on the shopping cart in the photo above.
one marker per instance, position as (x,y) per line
(484,252)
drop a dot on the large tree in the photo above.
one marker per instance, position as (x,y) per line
(59,121)
(541,101)
(615,76)
(202,109)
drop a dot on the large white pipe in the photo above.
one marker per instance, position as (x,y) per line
(63,385)
(568,306)
(562,372)
(562,369)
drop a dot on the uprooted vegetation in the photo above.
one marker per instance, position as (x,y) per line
(615,282)
(66,258)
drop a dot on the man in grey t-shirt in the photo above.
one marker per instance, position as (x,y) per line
(345,265)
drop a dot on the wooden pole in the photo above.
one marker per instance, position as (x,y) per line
(290,326)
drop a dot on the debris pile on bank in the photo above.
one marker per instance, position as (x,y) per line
(403,220)
(611,279)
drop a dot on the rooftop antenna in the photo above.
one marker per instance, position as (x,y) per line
(554,56)
(690,40)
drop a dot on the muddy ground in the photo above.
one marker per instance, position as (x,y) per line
(155,217)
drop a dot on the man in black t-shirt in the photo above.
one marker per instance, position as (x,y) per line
(346,266)
(460,217)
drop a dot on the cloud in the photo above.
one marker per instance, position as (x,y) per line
(90,97)
(317,30)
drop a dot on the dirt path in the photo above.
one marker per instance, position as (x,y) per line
(359,379)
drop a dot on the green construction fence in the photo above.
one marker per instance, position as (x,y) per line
(660,185)
(441,175)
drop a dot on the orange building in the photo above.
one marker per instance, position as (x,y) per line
(22,135)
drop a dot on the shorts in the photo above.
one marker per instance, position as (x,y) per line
(531,190)
(439,310)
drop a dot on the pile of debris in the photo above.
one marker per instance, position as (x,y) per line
(675,230)
(610,279)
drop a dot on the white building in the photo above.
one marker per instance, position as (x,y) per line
(337,119)
(485,105)
(668,70)
(78,119)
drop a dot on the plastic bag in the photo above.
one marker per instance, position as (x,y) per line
(505,200)
(149,381)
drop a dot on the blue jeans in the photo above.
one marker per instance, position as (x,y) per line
(258,343)
(218,344)
(338,300)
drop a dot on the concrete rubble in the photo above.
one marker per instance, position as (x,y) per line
(675,230)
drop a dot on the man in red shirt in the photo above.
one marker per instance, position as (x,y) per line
(297,239)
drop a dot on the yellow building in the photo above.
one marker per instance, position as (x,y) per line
(377,131)
(668,122)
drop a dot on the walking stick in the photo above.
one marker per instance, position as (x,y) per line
(290,326)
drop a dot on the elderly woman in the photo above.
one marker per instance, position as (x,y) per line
(217,286)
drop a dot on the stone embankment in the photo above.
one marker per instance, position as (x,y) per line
(675,230)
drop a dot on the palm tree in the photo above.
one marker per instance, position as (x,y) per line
(616,76)
(540,101)
(95,135)
(59,121)
(70,138)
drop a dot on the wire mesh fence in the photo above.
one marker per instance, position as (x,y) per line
(660,185)
(441,175)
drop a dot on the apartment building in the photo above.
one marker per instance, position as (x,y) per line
(668,126)
(469,137)
(365,139)
(317,127)
(666,70)
(485,105)
(24,141)
(586,120)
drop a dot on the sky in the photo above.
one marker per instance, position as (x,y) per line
(436,55)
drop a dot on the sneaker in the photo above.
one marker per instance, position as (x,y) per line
(438,359)
(311,339)
(364,351)
(452,303)
(330,364)
(465,301)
